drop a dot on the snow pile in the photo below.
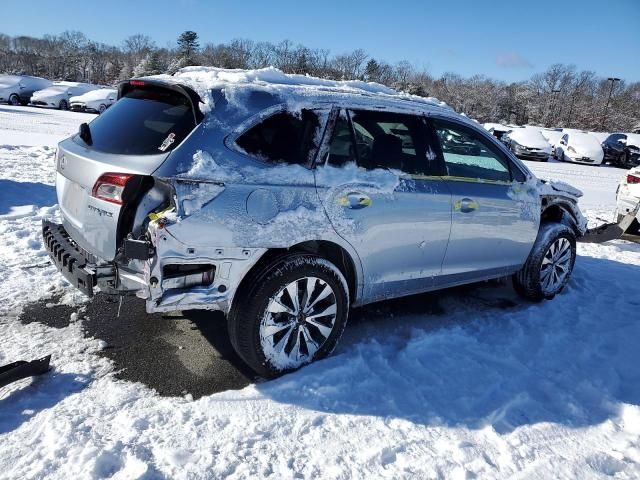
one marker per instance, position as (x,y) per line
(204,79)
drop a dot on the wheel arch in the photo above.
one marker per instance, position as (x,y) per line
(332,251)
(556,210)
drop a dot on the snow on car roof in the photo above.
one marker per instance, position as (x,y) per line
(99,94)
(205,79)
(529,137)
(583,139)
(498,127)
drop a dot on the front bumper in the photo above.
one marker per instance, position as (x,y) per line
(533,155)
(68,257)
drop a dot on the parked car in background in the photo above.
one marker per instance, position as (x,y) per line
(579,147)
(95,101)
(528,143)
(18,89)
(628,197)
(553,136)
(622,149)
(58,94)
(496,129)
(275,206)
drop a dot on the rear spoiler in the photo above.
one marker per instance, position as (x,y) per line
(143,83)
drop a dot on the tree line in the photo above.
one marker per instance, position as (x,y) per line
(561,96)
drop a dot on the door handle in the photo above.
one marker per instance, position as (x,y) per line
(354,200)
(466,205)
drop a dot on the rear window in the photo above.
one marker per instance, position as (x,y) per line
(143,122)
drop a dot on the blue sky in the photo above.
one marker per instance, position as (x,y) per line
(508,40)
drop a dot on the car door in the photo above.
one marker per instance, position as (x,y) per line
(495,212)
(380,185)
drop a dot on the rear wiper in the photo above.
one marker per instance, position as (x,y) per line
(85,133)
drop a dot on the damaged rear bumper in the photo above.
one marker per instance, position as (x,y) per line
(68,257)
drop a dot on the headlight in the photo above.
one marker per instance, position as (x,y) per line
(571,149)
(633,148)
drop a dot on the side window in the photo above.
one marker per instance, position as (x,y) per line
(468,155)
(393,140)
(283,138)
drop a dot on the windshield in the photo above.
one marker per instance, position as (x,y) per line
(143,122)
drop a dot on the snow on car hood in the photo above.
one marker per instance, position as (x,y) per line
(633,139)
(584,144)
(529,137)
(204,79)
(95,95)
(54,91)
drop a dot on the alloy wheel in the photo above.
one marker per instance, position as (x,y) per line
(555,267)
(297,322)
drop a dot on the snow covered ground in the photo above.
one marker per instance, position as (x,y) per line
(484,386)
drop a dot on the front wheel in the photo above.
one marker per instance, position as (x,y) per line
(102,108)
(63,105)
(550,263)
(291,314)
(14,100)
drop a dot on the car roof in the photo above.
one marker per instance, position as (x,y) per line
(270,86)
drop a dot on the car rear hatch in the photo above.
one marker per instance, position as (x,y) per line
(103,171)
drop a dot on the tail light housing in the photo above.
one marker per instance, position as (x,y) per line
(633,179)
(110,187)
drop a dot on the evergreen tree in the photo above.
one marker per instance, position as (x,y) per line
(188,46)
(150,65)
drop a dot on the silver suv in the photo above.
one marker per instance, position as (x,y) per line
(285,205)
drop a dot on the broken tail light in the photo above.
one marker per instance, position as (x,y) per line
(110,187)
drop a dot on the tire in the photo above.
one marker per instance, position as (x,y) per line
(14,100)
(561,157)
(63,105)
(263,325)
(623,159)
(102,108)
(552,238)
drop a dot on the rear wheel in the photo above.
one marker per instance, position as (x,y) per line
(14,100)
(550,263)
(292,313)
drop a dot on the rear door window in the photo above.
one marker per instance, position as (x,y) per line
(143,122)
(283,138)
(391,140)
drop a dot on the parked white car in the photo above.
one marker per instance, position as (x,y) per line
(17,89)
(95,101)
(529,144)
(628,196)
(58,94)
(579,147)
